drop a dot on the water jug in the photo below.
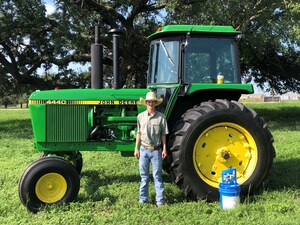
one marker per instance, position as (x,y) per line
(229,189)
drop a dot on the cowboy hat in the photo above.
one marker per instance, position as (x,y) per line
(151,97)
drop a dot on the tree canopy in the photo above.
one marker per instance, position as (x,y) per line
(31,39)
(270,50)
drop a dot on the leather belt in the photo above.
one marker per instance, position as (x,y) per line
(152,148)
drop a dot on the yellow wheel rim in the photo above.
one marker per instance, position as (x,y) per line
(221,146)
(51,188)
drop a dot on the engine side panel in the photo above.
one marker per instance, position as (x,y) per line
(85,119)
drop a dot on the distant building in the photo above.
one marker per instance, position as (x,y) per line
(272,99)
(252,98)
(290,96)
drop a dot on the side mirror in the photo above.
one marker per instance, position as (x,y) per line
(239,37)
(248,79)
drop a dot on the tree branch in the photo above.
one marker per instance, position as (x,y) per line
(105,12)
(257,14)
(73,58)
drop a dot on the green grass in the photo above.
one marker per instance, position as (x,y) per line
(110,183)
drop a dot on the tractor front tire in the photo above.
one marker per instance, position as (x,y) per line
(215,136)
(77,162)
(48,180)
(75,158)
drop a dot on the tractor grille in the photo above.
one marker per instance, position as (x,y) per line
(67,123)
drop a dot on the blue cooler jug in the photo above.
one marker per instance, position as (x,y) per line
(229,189)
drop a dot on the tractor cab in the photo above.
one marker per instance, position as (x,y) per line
(185,63)
(196,54)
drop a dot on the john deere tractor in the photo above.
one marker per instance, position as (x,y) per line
(195,69)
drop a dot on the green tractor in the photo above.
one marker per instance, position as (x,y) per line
(195,69)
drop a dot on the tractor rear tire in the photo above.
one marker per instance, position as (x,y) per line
(215,136)
(48,180)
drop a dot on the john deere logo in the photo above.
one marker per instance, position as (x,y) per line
(88,102)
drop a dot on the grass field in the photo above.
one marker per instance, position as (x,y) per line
(110,183)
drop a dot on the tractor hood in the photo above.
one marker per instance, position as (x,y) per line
(89,96)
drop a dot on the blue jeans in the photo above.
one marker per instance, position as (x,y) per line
(155,158)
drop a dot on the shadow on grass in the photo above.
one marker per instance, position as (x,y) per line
(281,118)
(285,174)
(20,128)
(94,181)
(283,178)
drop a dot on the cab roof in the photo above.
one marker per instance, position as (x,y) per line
(171,30)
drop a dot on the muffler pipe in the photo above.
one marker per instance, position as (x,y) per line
(97,61)
(116,57)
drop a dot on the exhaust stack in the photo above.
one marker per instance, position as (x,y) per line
(116,55)
(97,61)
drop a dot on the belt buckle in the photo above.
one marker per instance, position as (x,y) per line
(151,148)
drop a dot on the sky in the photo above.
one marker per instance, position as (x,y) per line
(49,6)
